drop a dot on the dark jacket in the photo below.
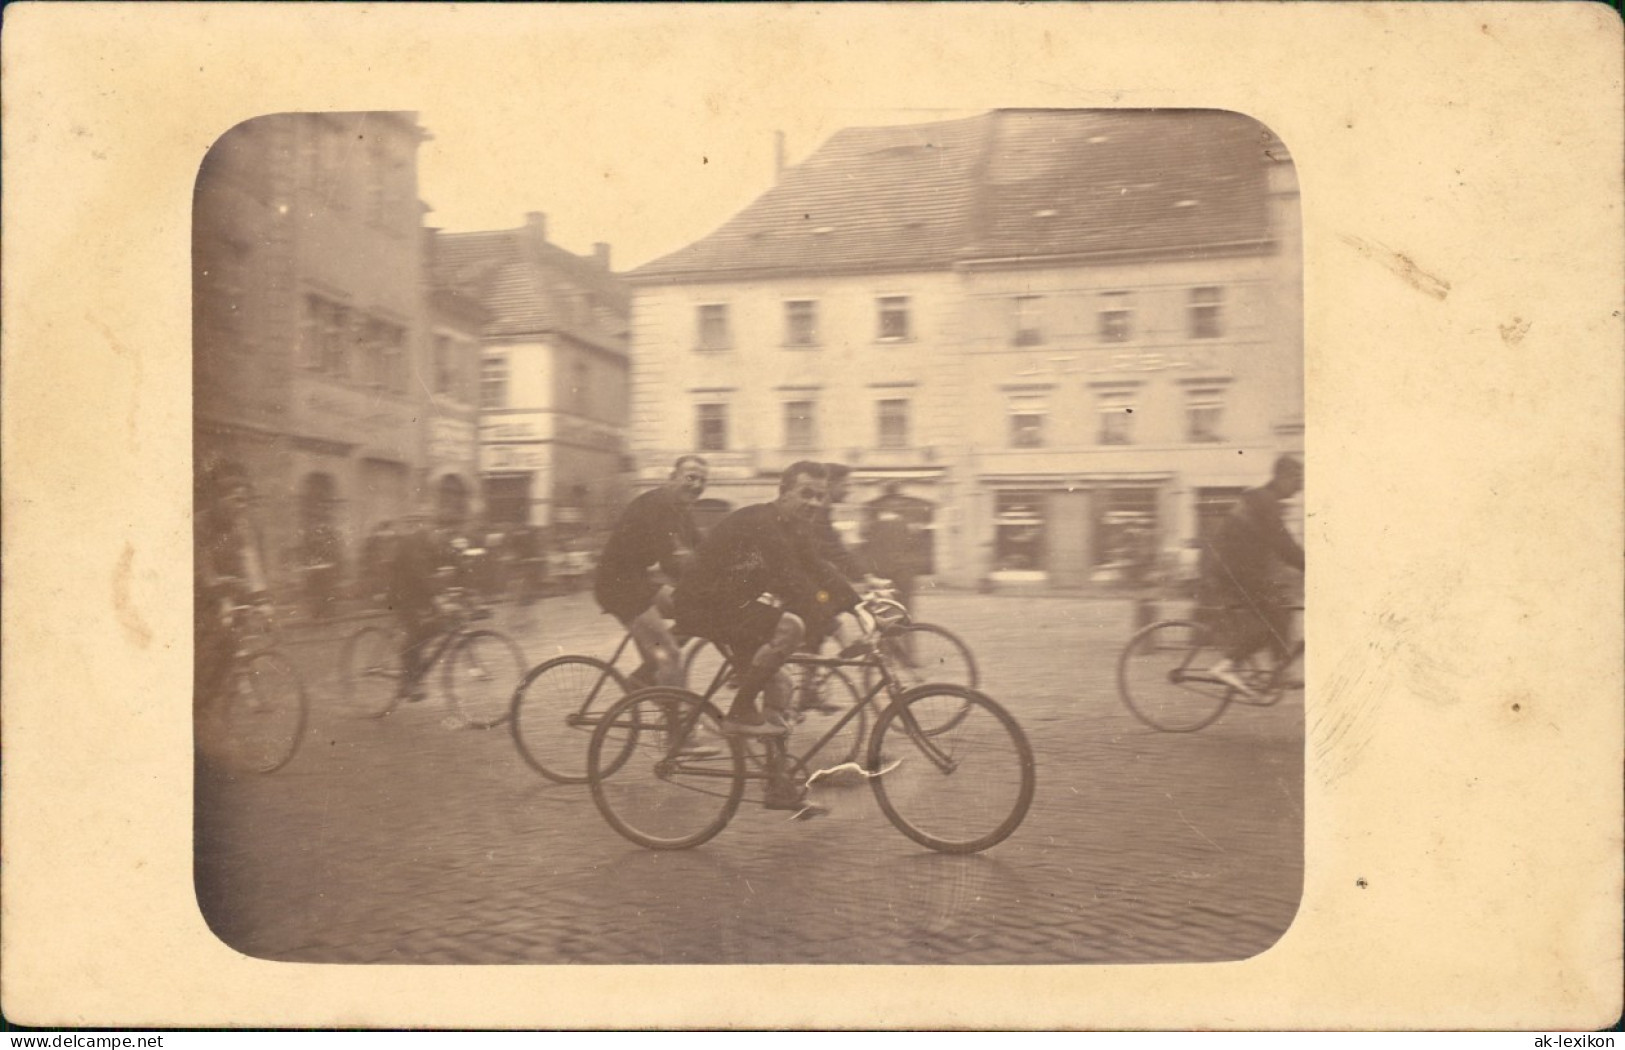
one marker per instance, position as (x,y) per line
(653,530)
(412,585)
(755,551)
(1245,548)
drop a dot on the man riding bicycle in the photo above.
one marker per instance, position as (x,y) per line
(1239,575)
(656,529)
(759,589)
(229,571)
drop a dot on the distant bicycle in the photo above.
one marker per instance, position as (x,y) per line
(1163,678)
(950,768)
(260,707)
(555,707)
(479,667)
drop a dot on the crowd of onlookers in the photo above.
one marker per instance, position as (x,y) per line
(496,563)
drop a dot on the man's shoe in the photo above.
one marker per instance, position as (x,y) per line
(784,799)
(735,727)
(1224,671)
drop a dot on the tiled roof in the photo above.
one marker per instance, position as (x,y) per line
(523,282)
(1004,184)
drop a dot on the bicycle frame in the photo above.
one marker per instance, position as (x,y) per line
(777,752)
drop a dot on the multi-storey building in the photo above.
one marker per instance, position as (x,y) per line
(1056,338)
(553,376)
(321,368)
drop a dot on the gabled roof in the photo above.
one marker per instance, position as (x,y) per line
(1006,184)
(524,283)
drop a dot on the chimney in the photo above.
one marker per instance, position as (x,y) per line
(600,254)
(536,223)
(778,155)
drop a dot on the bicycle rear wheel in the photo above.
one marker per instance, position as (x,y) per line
(482,671)
(371,668)
(1163,679)
(700,666)
(265,709)
(662,773)
(922,654)
(961,789)
(556,708)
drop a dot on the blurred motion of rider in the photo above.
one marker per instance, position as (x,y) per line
(655,530)
(759,588)
(1239,576)
(413,585)
(228,571)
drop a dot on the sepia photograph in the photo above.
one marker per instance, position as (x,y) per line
(947,488)
(799,516)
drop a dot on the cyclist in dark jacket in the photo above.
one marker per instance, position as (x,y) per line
(759,589)
(655,530)
(1239,576)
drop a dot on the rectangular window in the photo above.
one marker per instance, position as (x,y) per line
(1126,531)
(894,318)
(494,382)
(1116,417)
(1019,540)
(892,423)
(580,385)
(711,424)
(1205,313)
(377,183)
(313,333)
(1204,413)
(800,424)
(336,336)
(1116,319)
(392,349)
(1028,326)
(801,322)
(444,376)
(713,325)
(1027,421)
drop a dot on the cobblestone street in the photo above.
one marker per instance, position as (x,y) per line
(410,840)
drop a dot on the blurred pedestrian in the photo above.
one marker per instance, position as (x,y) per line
(892,547)
(323,567)
(415,580)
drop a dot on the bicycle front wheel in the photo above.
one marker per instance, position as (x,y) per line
(961,789)
(556,708)
(481,673)
(662,773)
(1163,677)
(373,675)
(265,712)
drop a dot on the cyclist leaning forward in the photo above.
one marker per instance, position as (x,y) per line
(1239,575)
(656,529)
(759,589)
